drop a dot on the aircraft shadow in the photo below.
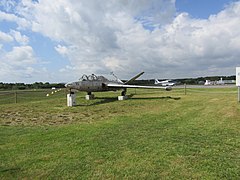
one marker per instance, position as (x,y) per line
(104,100)
(162,97)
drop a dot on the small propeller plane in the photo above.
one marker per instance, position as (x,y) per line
(164,83)
(93,83)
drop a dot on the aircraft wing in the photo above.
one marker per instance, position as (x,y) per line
(112,85)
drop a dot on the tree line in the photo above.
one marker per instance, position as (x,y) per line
(36,85)
(47,85)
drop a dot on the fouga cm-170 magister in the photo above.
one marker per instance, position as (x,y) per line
(95,83)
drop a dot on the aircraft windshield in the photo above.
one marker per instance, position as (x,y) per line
(92,77)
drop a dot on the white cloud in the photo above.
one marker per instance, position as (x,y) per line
(21,39)
(17,63)
(13,35)
(92,30)
(63,50)
(128,36)
(22,22)
(4,37)
(22,55)
(112,63)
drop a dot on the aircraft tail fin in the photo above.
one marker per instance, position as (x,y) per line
(156,81)
(134,78)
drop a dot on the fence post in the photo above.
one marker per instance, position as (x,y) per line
(185,88)
(238,93)
(16,97)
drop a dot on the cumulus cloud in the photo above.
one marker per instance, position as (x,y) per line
(17,63)
(22,22)
(92,30)
(128,36)
(112,63)
(4,37)
(22,55)
(21,39)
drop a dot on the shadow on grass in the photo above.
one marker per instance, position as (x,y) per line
(163,97)
(104,100)
(10,170)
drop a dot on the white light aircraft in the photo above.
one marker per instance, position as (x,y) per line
(164,83)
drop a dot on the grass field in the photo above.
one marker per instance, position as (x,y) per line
(153,135)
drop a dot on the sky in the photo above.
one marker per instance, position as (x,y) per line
(59,41)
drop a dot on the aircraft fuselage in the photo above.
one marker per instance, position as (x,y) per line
(90,86)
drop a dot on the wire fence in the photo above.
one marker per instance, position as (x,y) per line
(9,97)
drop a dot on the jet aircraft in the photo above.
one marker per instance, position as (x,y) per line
(93,83)
(164,83)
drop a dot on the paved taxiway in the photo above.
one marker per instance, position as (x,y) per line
(209,86)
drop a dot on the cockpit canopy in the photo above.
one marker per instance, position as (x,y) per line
(92,77)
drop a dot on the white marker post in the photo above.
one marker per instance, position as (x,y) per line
(71,99)
(238,81)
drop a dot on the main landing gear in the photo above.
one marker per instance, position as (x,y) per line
(124,92)
(123,95)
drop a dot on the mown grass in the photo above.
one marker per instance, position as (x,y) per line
(153,135)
